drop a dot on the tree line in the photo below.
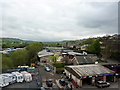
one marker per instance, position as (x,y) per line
(24,56)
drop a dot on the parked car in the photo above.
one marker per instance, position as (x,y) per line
(49,83)
(62,82)
(42,88)
(47,69)
(102,84)
(4,81)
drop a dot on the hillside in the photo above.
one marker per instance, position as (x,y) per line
(13,42)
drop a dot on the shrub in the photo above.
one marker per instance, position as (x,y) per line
(58,65)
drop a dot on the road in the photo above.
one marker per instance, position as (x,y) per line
(48,75)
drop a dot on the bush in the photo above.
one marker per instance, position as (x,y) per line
(58,65)
(59,70)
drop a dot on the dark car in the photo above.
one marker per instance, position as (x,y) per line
(102,84)
(49,83)
(62,82)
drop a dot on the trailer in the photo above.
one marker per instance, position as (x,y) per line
(19,76)
(4,81)
(27,76)
(12,78)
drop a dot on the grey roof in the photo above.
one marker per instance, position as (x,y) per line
(75,53)
(44,53)
(85,60)
(88,70)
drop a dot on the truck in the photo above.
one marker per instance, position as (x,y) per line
(4,81)
(19,76)
(27,76)
(12,78)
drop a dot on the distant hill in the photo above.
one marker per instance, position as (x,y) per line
(13,42)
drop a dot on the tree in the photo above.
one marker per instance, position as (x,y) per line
(6,62)
(54,58)
(33,50)
(19,57)
(94,47)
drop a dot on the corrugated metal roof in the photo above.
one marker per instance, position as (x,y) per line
(75,53)
(89,70)
(84,60)
(44,53)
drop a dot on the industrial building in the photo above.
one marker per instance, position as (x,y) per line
(91,73)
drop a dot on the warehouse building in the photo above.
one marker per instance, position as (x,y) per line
(81,74)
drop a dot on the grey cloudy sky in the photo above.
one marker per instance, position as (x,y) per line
(53,20)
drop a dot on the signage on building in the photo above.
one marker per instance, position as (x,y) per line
(85,77)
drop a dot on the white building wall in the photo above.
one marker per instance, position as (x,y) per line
(67,73)
(73,77)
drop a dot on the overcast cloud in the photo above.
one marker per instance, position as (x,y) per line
(53,20)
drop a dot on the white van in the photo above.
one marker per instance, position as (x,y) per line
(19,76)
(4,81)
(12,78)
(27,76)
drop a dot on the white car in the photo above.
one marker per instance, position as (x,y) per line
(47,69)
(102,84)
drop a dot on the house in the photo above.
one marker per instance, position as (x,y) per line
(44,55)
(85,60)
(81,74)
(110,47)
(84,47)
(76,58)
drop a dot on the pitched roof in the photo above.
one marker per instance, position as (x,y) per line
(88,70)
(85,60)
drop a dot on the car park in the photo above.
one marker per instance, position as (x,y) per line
(49,83)
(102,84)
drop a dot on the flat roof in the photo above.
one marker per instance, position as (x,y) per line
(88,70)
(55,48)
